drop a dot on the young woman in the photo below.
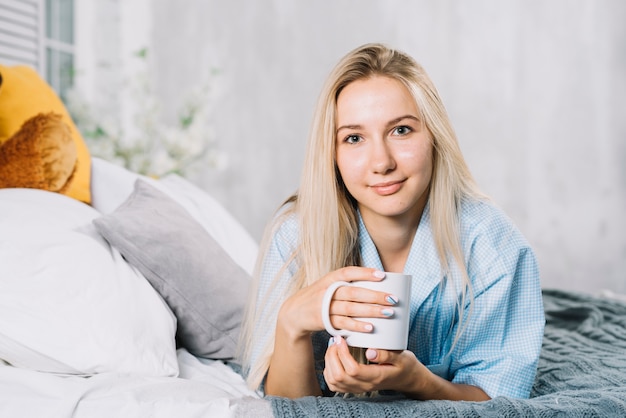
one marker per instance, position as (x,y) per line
(385,188)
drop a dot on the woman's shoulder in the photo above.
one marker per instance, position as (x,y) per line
(494,247)
(280,240)
(285,226)
(487,229)
(481,216)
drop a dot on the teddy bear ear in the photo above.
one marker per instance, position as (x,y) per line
(41,155)
(24,94)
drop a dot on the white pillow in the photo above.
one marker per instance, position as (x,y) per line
(111,185)
(69,303)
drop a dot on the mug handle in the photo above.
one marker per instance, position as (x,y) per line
(328,296)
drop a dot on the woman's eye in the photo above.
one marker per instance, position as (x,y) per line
(402,130)
(352,139)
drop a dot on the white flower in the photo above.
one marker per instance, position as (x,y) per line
(151,147)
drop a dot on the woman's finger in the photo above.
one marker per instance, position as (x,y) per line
(340,365)
(360,310)
(333,370)
(349,324)
(382,356)
(363,295)
(354,316)
(354,273)
(349,365)
(330,360)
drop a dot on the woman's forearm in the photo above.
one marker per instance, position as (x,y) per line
(439,388)
(292,367)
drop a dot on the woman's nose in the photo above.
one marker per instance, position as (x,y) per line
(382,160)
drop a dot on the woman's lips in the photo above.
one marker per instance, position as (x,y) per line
(387,188)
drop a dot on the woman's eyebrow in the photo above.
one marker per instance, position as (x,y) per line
(352,127)
(390,123)
(401,118)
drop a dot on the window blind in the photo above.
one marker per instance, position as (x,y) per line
(22,33)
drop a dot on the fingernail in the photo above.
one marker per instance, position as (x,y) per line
(370,354)
(387,311)
(331,341)
(379,274)
(338,340)
(392,299)
(369,327)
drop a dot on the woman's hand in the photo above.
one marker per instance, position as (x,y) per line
(301,313)
(388,370)
(391,370)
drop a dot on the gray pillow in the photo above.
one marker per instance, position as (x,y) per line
(205,289)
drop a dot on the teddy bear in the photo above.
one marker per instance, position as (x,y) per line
(40,155)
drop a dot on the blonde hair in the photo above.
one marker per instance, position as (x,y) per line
(327,215)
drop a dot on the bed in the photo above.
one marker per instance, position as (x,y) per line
(102,314)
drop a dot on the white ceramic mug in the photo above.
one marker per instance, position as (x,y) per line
(390,333)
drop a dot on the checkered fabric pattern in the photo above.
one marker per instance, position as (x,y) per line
(503,327)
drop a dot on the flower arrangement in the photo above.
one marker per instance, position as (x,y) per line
(151,147)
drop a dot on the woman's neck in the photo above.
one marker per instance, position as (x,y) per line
(393,238)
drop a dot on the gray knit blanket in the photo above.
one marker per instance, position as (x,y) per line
(581,373)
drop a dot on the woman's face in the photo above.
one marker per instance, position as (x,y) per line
(384,152)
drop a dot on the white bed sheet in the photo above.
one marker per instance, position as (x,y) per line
(205,388)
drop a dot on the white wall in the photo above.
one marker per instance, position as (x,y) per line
(535,89)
